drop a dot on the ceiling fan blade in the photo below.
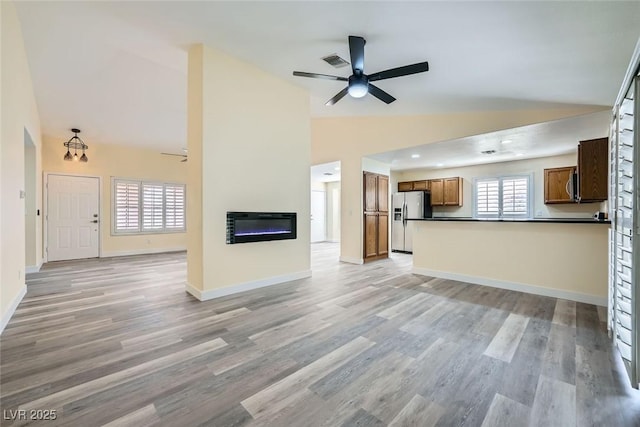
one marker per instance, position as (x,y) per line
(319,76)
(380,94)
(182,161)
(356,49)
(172,154)
(420,67)
(338,96)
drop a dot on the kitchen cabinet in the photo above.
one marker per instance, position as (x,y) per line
(376,216)
(558,185)
(437,192)
(421,185)
(413,185)
(452,192)
(405,186)
(592,170)
(446,191)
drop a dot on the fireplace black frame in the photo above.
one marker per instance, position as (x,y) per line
(233,236)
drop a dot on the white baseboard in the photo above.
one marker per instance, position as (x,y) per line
(246,286)
(33,268)
(512,286)
(146,251)
(12,308)
(351,260)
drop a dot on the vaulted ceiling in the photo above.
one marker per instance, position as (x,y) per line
(117,70)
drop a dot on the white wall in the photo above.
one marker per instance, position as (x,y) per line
(533,166)
(252,153)
(333,211)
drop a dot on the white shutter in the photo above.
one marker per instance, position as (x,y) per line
(174,207)
(126,206)
(487,198)
(152,204)
(515,197)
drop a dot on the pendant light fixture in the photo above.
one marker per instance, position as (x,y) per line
(76,143)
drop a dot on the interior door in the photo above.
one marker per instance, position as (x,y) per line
(318,216)
(72,217)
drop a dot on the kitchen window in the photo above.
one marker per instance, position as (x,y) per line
(502,197)
(141,207)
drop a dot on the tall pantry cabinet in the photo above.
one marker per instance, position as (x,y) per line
(376,216)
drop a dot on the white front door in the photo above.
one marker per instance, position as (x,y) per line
(72,217)
(318,213)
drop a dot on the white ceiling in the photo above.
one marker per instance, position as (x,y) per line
(117,70)
(525,142)
(326,172)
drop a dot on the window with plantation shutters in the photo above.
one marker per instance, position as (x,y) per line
(152,206)
(515,197)
(147,207)
(487,198)
(174,207)
(126,206)
(502,197)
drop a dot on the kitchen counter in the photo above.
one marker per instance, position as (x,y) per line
(559,257)
(539,220)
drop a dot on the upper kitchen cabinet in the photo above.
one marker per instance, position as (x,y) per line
(413,185)
(558,185)
(592,170)
(452,192)
(446,191)
(437,191)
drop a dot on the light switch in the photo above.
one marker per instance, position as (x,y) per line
(23,194)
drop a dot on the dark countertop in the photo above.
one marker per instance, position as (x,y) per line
(542,220)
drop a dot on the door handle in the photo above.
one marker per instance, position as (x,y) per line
(95,221)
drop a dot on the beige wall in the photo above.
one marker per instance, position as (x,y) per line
(255,145)
(107,161)
(529,166)
(18,113)
(348,139)
(566,260)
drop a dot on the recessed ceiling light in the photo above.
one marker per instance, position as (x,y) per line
(439,165)
(415,156)
(519,154)
(507,141)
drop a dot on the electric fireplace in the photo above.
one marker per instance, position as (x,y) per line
(245,227)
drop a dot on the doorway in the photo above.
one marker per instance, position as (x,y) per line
(325,185)
(318,216)
(31,261)
(72,221)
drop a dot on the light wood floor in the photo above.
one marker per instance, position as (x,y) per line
(119,342)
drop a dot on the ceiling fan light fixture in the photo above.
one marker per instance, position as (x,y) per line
(358,86)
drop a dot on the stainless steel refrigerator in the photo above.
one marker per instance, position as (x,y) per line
(407,205)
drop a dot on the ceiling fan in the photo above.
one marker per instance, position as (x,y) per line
(359,83)
(179,155)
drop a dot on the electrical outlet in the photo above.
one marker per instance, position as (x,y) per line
(538,213)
